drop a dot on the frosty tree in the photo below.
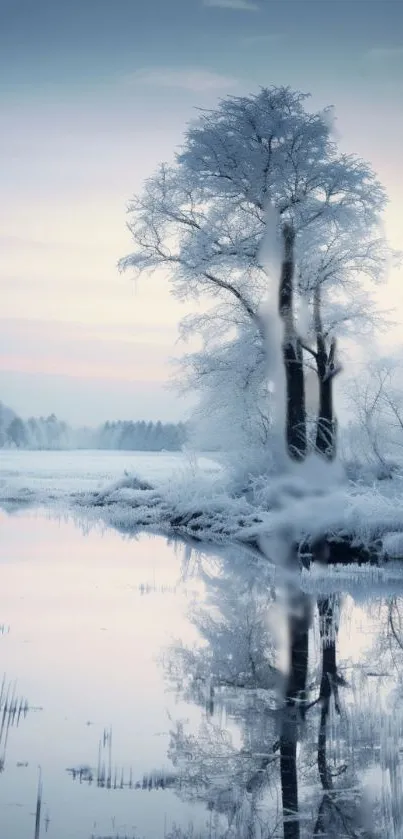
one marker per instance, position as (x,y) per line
(204,219)
(376,435)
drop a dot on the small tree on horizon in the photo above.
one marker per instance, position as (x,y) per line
(17,433)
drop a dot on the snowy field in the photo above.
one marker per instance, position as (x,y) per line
(189,495)
(47,475)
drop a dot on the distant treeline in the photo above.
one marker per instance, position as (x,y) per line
(52,433)
(141,436)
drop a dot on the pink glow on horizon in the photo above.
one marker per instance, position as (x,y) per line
(133,371)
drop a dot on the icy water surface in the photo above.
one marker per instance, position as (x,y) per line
(82,620)
(135,698)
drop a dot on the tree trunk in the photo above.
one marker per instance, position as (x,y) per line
(325,429)
(328,684)
(289,781)
(292,355)
(294,710)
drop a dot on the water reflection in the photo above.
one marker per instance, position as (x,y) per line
(89,615)
(284,711)
(115,836)
(109,775)
(13,709)
(294,742)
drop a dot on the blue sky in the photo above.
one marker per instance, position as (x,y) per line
(94,93)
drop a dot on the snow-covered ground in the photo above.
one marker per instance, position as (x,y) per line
(189,495)
(308,501)
(41,476)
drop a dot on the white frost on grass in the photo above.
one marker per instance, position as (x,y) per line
(46,476)
(393,544)
(201,505)
(198,500)
(361,583)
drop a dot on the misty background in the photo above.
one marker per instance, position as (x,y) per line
(94,95)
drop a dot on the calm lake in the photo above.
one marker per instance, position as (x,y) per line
(105,648)
(83,619)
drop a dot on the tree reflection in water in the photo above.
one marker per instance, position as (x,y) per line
(276,754)
(287,748)
(13,709)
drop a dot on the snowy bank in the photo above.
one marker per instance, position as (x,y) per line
(361,523)
(195,499)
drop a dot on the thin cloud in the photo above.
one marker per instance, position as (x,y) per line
(238,5)
(17,242)
(262,39)
(192,79)
(385,53)
(77,350)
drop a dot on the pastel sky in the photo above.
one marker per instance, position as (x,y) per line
(94,93)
